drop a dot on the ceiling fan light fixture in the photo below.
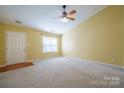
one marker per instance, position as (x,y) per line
(64,20)
(67,16)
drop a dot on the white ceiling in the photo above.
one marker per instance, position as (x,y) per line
(41,16)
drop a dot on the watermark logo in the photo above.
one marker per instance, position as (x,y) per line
(108,81)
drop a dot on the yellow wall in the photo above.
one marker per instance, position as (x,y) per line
(1,45)
(99,38)
(34,42)
(123,35)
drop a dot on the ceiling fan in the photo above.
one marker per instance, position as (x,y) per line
(66,16)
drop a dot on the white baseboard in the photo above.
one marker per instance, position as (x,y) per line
(98,62)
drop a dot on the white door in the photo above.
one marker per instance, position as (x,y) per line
(15,47)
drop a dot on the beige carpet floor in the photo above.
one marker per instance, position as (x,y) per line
(64,72)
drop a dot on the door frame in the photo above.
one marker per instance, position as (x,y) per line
(6,45)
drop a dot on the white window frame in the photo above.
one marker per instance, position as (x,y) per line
(49,44)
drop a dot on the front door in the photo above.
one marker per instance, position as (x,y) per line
(15,47)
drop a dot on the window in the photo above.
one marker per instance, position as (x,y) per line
(49,44)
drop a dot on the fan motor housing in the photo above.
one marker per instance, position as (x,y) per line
(64,6)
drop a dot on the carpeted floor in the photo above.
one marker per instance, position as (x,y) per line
(64,72)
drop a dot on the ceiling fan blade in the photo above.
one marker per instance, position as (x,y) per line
(71,18)
(72,12)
